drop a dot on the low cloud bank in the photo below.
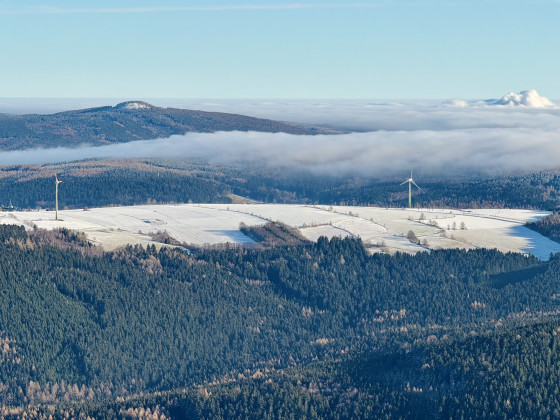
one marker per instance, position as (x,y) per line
(396,137)
(482,150)
(364,115)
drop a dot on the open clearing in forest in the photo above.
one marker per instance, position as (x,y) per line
(381,229)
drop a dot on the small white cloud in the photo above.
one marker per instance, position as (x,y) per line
(456,103)
(527,98)
(523,99)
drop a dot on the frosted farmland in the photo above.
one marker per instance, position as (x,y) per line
(381,229)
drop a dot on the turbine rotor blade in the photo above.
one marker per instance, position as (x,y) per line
(415,184)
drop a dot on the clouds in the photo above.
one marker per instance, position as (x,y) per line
(383,152)
(428,137)
(528,98)
(525,99)
(369,154)
(368,115)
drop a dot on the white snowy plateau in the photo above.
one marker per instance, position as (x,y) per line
(381,229)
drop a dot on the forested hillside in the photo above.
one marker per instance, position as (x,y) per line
(98,185)
(125,182)
(534,190)
(548,226)
(80,331)
(507,373)
(128,121)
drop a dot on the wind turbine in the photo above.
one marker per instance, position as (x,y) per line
(410,182)
(56,196)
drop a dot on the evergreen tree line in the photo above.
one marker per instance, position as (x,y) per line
(548,226)
(154,181)
(115,187)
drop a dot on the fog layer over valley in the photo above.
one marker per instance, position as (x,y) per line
(485,150)
(433,137)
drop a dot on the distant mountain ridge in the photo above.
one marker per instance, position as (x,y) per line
(127,121)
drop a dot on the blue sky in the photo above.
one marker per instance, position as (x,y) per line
(279,49)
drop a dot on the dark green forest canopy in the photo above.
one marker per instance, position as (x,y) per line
(79,328)
(126,182)
(548,226)
(507,373)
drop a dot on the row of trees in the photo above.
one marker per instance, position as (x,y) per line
(116,186)
(135,182)
(548,226)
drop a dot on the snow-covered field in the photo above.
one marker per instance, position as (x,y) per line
(381,229)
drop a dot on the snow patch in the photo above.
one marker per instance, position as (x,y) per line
(137,105)
(134,105)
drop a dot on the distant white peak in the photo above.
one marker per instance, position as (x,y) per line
(134,105)
(526,98)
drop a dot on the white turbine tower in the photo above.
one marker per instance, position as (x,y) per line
(410,182)
(56,196)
